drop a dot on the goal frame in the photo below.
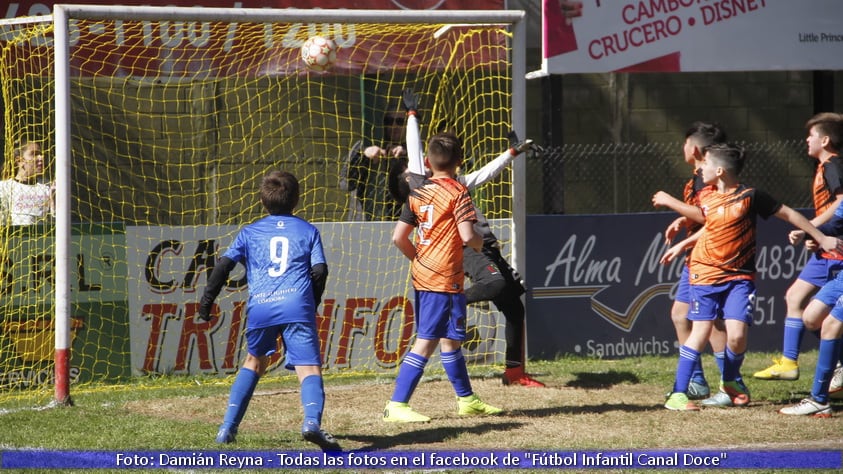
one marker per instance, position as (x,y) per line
(64,13)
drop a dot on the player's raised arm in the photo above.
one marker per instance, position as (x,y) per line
(493,168)
(415,157)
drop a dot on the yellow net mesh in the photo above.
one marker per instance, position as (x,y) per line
(173,124)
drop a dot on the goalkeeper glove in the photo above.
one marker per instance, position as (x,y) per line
(410,101)
(517,147)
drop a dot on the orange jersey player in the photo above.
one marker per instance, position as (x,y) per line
(722,269)
(824,141)
(443,215)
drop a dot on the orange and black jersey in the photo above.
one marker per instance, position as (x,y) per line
(828,181)
(726,250)
(436,208)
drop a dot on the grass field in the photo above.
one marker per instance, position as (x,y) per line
(589,404)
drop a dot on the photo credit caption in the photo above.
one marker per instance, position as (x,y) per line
(468,459)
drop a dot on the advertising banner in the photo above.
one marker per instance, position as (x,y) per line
(365,321)
(99,329)
(588,36)
(597,288)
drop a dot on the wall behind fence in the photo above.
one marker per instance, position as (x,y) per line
(621,178)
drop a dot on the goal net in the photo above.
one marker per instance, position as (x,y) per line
(174,116)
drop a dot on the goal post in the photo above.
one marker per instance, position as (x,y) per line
(166,117)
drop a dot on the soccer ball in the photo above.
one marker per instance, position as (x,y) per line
(319,53)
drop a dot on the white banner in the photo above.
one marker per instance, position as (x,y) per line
(588,36)
(365,320)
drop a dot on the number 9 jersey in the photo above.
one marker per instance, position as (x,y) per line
(278,252)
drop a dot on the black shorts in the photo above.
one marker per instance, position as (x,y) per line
(489,265)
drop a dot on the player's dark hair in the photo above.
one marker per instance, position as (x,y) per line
(396,180)
(444,151)
(828,124)
(279,192)
(703,134)
(730,156)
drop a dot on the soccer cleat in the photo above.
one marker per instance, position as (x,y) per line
(517,376)
(782,369)
(697,390)
(678,401)
(835,387)
(226,435)
(808,407)
(737,392)
(719,399)
(472,405)
(310,431)
(398,412)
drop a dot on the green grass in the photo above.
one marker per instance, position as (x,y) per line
(590,404)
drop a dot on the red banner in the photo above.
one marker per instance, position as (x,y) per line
(177,49)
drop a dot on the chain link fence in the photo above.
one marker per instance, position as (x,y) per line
(622,178)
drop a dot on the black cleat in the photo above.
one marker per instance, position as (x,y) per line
(311,432)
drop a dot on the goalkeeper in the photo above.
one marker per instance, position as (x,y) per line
(492,278)
(286,272)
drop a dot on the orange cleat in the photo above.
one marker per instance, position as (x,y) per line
(517,376)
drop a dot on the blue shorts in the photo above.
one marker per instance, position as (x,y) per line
(301,343)
(837,312)
(683,288)
(733,300)
(440,315)
(831,292)
(818,271)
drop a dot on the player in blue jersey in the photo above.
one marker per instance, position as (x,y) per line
(286,271)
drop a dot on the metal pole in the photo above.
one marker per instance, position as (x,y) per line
(63,239)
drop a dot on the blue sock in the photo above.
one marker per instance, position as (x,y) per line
(313,398)
(687,359)
(454,365)
(793,330)
(409,375)
(720,360)
(697,375)
(238,400)
(826,361)
(732,365)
